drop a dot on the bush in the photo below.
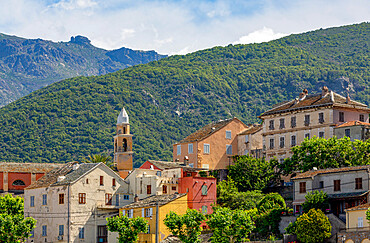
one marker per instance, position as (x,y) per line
(313,227)
(316,200)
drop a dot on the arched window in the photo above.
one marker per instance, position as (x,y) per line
(124,145)
(124,130)
(18,183)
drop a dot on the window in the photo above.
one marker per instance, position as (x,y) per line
(228,134)
(360,222)
(87,181)
(61,198)
(81,233)
(336,185)
(321,134)
(246,138)
(293,121)
(81,198)
(307,135)
(61,229)
(204,190)
(164,189)
(44,230)
(18,183)
(102,180)
(173,188)
(44,199)
(321,117)
(282,123)
(32,201)
(347,132)
(271,143)
(204,209)
(293,141)
(358,183)
(108,199)
(282,142)
(130,213)
(307,120)
(302,187)
(117,199)
(362,118)
(126,197)
(113,182)
(178,149)
(341,116)
(159,173)
(148,212)
(32,233)
(190,148)
(321,185)
(148,232)
(271,125)
(229,149)
(148,189)
(206,148)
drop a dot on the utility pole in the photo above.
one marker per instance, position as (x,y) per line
(156,222)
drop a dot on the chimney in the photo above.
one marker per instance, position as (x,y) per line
(136,198)
(302,95)
(324,91)
(348,99)
(75,166)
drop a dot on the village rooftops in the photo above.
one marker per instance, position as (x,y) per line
(28,167)
(207,130)
(364,206)
(313,173)
(163,165)
(306,101)
(353,123)
(154,200)
(252,129)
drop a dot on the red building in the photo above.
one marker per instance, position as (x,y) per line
(14,177)
(202,191)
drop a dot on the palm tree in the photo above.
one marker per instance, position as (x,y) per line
(97,158)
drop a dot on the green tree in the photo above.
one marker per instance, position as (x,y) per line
(229,196)
(230,225)
(313,227)
(127,228)
(316,200)
(327,153)
(103,158)
(368,215)
(14,227)
(187,226)
(271,201)
(251,173)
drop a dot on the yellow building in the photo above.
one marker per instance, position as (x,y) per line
(146,208)
(356,217)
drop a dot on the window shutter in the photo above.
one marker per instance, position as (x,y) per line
(132,213)
(151,212)
(123,212)
(142,212)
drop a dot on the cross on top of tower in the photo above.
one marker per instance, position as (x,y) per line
(122,117)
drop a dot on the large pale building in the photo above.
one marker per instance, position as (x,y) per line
(287,124)
(123,154)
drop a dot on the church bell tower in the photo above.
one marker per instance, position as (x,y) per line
(123,145)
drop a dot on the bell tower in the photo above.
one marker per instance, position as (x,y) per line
(123,145)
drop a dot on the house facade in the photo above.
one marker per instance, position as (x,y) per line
(212,146)
(355,130)
(287,124)
(147,208)
(346,187)
(250,141)
(71,203)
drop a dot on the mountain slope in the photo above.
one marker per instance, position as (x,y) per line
(170,98)
(27,65)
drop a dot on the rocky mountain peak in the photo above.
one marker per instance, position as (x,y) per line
(79,39)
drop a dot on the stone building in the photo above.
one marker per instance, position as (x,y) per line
(287,124)
(354,130)
(14,177)
(71,203)
(250,141)
(212,146)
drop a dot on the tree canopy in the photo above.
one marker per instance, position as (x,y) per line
(316,200)
(313,227)
(127,228)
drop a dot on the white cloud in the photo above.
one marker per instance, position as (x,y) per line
(170,26)
(258,36)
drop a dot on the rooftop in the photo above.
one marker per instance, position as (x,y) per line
(162,165)
(122,117)
(153,200)
(51,178)
(305,101)
(28,167)
(252,129)
(353,123)
(313,173)
(359,207)
(207,130)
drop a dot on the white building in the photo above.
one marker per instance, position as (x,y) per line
(71,203)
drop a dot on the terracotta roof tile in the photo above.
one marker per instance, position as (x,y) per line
(153,200)
(207,130)
(28,167)
(359,207)
(313,173)
(162,165)
(252,129)
(315,100)
(353,123)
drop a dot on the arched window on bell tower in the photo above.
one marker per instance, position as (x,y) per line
(124,145)
(124,130)
(115,146)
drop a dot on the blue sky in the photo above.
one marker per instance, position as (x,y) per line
(174,26)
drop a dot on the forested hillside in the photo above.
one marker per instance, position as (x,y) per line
(170,98)
(29,64)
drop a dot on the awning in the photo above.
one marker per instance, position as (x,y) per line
(347,195)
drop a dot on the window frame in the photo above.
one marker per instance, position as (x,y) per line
(44,230)
(321,117)
(206,148)
(272,143)
(81,232)
(178,149)
(114,182)
(302,187)
(61,229)
(61,198)
(321,134)
(228,134)
(204,190)
(282,123)
(307,135)
(337,186)
(101,180)
(282,142)
(148,189)
(126,197)
(204,209)
(307,120)
(291,140)
(293,122)
(190,151)
(108,198)
(44,199)
(347,132)
(164,189)
(361,118)
(229,149)
(81,198)
(271,125)
(117,200)
(358,183)
(341,116)
(32,201)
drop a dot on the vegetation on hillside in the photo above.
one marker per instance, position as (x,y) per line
(168,99)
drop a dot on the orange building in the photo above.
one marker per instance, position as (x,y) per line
(212,146)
